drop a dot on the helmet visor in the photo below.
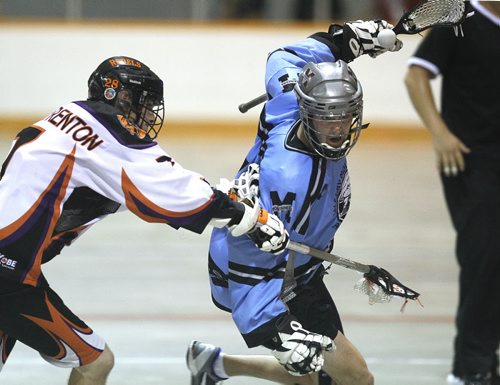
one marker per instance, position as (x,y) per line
(151,114)
(146,112)
(332,135)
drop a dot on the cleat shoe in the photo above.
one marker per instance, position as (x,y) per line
(470,380)
(477,380)
(200,358)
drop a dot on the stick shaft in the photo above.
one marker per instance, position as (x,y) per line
(244,107)
(344,262)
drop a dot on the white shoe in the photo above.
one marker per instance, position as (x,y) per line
(200,359)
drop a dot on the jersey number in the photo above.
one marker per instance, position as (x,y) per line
(25,136)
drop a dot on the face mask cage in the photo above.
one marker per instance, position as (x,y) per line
(332,135)
(144,110)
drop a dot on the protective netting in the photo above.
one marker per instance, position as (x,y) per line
(433,12)
(374,292)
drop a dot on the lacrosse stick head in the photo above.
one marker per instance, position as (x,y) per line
(381,286)
(431,13)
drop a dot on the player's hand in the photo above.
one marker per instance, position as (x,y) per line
(269,233)
(265,229)
(360,37)
(301,351)
(245,186)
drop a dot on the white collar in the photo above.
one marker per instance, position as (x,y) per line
(485,12)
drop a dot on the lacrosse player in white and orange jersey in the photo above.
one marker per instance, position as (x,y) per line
(86,160)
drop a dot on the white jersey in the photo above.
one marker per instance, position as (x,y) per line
(78,165)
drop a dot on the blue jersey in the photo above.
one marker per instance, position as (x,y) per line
(308,193)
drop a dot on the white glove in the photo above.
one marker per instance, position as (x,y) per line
(245,186)
(360,37)
(265,229)
(270,234)
(301,351)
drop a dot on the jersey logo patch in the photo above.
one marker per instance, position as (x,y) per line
(287,83)
(7,263)
(344,196)
(283,206)
(165,158)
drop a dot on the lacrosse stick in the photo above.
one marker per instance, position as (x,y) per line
(244,107)
(378,283)
(426,14)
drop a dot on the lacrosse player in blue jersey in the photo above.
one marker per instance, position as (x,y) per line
(312,119)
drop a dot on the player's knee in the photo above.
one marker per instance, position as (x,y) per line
(363,377)
(107,360)
(370,380)
(100,368)
(359,376)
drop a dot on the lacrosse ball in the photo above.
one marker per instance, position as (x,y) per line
(386,38)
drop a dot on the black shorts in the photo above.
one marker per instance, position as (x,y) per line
(37,317)
(314,308)
(316,311)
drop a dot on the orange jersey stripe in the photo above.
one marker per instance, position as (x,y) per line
(66,168)
(63,330)
(161,215)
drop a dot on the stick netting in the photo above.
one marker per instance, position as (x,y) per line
(436,12)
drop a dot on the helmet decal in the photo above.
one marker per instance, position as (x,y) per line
(126,61)
(109,93)
(111,83)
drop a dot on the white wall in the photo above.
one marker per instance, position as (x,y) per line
(208,69)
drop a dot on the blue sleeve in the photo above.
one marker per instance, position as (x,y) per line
(282,71)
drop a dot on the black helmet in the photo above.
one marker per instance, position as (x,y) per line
(135,90)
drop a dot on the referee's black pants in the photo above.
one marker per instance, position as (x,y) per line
(473,199)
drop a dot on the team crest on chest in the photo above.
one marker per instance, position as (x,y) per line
(283,206)
(344,195)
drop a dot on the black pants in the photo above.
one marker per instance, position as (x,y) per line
(473,199)
(37,317)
